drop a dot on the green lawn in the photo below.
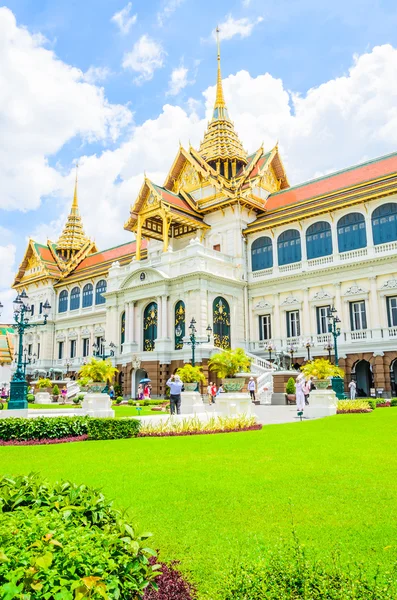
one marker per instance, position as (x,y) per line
(120,411)
(214,499)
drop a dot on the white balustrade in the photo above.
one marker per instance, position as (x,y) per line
(262,273)
(292,267)
(353,254)
(323,260)
(389,246)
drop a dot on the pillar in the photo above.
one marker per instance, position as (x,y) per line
(131,322)
(374,306)
(159,317)
(306,329)
(164,316)
(277,333)
(138,238)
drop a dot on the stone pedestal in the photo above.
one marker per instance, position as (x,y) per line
(233,403)
(42,398)
(21,413)
(280,379)
(97,405)
(191,403)
(322,403)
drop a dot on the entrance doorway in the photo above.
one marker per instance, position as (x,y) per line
(364,378)
(136,376)
(393,378)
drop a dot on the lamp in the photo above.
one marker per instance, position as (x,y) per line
(46,308)
(24,298)
(17,304)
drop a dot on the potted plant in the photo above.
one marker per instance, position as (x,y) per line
(43,384)
(290,391)
(191,377)
(321,370)
(227,364)
(98,372)
(84,383)
(55,393)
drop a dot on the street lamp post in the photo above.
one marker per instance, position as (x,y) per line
(334,330)
(99,351)
(18,386)
(308,344)
(193,341)
(271,348)
(329,347)
(291,349)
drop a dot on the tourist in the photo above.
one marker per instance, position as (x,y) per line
(209,393)
(353,390)
(251,388)
(146,392)
(111,392)
(213,393)
(220,390)
(4,393)
(64,393)
(140,392)
(300,396)
(307,388)
(175,384)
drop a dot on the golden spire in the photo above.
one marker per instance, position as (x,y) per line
(221,145)
(72,238)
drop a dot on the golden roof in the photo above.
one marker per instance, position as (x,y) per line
(221,142)
(72,238)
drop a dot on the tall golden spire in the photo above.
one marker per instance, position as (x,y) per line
(221,146)
(72,238)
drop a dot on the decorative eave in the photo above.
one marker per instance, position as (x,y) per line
(31,251)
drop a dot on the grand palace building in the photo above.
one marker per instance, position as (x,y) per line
(228,241)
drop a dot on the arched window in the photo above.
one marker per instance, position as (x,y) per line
(63,302)
(351,232)
(150,327)
(384,223)
(319,240)
(179,332)
(75,298)
(122,329)
(87,295)
(100,289)
(221,316)
(262,254)
(289,247)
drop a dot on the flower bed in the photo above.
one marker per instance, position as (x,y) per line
(256,427)
(353,406)
(44,442)
(193,426)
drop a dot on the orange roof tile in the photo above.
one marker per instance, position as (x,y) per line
(112,254)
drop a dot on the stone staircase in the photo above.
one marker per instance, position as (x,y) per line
(72,390)
(264,381)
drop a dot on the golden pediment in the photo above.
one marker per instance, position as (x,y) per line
(187,180)
(33,268)
(152,201)
(269,181)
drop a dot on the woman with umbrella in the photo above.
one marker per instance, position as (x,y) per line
(146,387)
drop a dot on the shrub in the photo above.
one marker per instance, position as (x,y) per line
(131,402)
(43,383)
(393,402)
(98,370)
(78,399)
(353,406)
(84,381)
(321,368)
(229,362)
(119,399)
(117,389)
(171,584)
(112,429)
(55,390)
(372,403)
(76,543)
(30,398)
(146,402)
(41,428)
(290,386)
(190,374)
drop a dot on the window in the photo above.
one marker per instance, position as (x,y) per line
(216,247)
(99,344)
(63,302)
(38,351)
(289,247)
(293,323)
(358,316)
(322,321)
(32,310)
(60,350)
(30,349)
(351,232)
(262,254)
(72,348)
(221,317)
(150,327)
(392,311)
(87,295)
(86,346)
(384,223)
(99,290)
(265,331)
(179,329)
(319,240)
(41,308)
(75,298)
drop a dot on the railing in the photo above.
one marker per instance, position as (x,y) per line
(353,254)
(385,247)
(262,273)
(363,334)
(392,332)
(323,260)
(292,267)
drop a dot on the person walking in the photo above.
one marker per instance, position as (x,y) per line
(64,393)
(175,384)
(300,396)
(251,388)
(307,388)
(213,393)
(111,392)
(140,392)
(353,390)
(209,393)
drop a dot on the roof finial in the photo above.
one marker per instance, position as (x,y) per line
(219,100)
(75,205)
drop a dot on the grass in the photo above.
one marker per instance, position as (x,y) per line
(120,411)
(212,500)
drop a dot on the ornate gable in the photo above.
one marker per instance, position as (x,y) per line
(32,267)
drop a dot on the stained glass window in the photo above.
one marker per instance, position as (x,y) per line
(221,316)
(150,327)
(179,324)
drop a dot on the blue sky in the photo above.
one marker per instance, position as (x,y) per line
(145,79)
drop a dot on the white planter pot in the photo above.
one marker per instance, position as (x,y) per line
(233,403)
(97,405)
(191,403)
(42,398)
(322,403)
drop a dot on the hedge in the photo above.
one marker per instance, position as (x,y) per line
(51,428)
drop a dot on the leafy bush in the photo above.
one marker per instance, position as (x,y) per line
(119,399)
(372,403)
(393,402)
(75,544)
(229,362)
(78,399)
(353,406)
(288,573)
(131,402)
(290,386)
(98,370)
(55,390)
(190,374)
(112,429)
(41,428)
(321,368)
(194,425)
(43,383)
(30,398)
(171,584)
(84,381)
(117,389)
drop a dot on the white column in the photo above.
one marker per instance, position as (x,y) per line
(131,322)
(164,316)
(277,333)
(159,317)
(306,330)
(373,307)
(334,233)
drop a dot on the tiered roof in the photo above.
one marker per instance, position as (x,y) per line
(72,238)
(6,345)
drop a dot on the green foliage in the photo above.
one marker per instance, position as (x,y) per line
(84,381)
(117,389)
(290,386)
(353,406)
(229,362)
(43,383)
(190,374)
(393,402)
(66,542)
(78,399)
(321,368)
(55,390)
(98,371)
(194,425)
(42,428)
(30,398)
(112,429)
(131,402)
(119,399)
(372,403)
(290,573)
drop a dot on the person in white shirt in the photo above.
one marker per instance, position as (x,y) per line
(175,384)
(251,388)
(209,393)
(353,389)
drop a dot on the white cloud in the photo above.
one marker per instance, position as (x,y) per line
(231,27)
(124,20)
(168,9)
(96,74)
(146,56)
(44,103)
(7,273)
(178,80)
